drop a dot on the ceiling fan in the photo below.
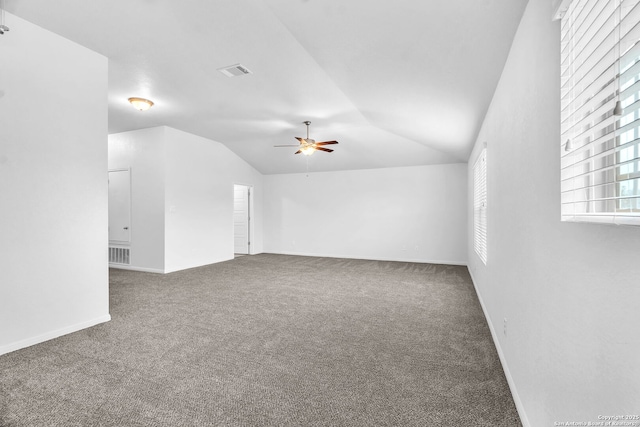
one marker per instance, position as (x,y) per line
(308,146)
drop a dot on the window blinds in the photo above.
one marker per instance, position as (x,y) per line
(480,206)
(600,104)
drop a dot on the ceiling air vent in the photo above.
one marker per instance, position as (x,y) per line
(234,70)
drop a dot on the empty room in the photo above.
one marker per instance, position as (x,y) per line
(320,213)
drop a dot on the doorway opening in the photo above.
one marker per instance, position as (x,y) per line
(119,216)
(242,203)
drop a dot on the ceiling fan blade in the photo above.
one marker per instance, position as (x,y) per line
(324,149)
(290,145)
(299,139)
(298,152)
(326,143)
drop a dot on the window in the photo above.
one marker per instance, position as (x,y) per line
(600,103)
(480,206)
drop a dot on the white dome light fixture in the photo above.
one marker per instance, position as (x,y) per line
(141,103)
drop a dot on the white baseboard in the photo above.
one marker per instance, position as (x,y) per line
(188,267)
(503,361)
(53,334)
(418,261)
(134,268)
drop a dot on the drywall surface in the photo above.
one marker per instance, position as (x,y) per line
(143,152)
(570,292)
(200,175)
(402,214)
(182,197)
(53,182)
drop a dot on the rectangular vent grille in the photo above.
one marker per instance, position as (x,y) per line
(234,70)
(119,256)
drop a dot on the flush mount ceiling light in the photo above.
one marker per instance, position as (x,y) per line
(141,103)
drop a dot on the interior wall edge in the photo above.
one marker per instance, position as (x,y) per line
(53,181)
(503,361)
(28,342)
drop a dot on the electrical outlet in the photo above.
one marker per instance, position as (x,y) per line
(505,327)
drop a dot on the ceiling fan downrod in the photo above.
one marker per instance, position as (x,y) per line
(307,122)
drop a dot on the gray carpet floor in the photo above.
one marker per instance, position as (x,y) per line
(271,340)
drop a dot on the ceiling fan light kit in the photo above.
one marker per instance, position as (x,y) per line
(308,146)
(307,151)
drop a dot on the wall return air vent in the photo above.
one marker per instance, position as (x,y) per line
(234,70)
(119,255)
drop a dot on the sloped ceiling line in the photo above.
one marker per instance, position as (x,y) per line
(398,84)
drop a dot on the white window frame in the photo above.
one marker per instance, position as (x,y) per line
(600,98)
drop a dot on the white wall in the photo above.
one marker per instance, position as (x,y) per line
(53,186)
(144,152)
(570,292)
(200,175)
(403,214)
(182,197)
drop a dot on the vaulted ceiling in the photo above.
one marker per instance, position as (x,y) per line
(397,83)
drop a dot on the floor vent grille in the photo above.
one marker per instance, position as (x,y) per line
(119,256)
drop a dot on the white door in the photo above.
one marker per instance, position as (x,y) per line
(241,219)
(119,205)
